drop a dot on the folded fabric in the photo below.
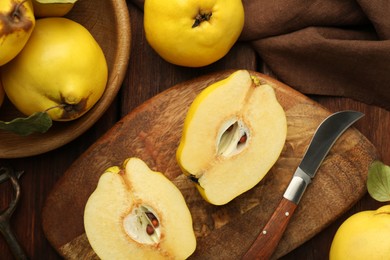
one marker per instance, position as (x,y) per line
(324,47)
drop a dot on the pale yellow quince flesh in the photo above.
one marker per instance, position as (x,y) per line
(52,8)
(365,235)
(17,22)
(137,213)
(193,33)
(233,134)
(62,68)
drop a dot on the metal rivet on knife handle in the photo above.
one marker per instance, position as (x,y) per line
(272,232)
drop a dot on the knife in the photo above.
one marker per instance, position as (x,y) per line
(324,137)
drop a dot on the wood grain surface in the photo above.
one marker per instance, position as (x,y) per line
(152,132)
(146,76)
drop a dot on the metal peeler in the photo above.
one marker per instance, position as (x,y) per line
(8,174)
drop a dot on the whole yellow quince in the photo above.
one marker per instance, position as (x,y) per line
(364,235)
(193,33)
(62,69)
(17,21)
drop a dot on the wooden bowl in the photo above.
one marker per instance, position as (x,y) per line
(109,23)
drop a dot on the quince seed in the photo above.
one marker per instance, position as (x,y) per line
(242,139)
(149,230)
(152,219)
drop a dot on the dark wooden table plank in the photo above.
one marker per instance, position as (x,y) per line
(147,76)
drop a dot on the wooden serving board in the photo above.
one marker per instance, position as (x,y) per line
(152,132)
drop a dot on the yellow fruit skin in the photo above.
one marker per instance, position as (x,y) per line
(61,64)
(14,30)
(169,29)
(54,9)
(364,235)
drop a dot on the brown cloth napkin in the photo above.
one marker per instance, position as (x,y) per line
(324,47)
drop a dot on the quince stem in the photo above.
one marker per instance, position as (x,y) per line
(16,12)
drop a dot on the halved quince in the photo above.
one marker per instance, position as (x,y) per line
(233,133)
(52,8)
(137,213)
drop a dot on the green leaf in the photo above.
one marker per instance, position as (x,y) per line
(38,122)
(378,181)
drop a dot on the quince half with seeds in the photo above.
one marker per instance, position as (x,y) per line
(233,133)
(137,213)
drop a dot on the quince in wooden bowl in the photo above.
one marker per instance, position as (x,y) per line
(109,23)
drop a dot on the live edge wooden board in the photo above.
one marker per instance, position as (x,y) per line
(152,132)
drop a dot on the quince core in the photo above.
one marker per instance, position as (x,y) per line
(233,133)
(137,213)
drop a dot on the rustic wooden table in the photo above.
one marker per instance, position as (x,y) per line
(147,76)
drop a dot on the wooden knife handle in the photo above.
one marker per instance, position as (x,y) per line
(268,239)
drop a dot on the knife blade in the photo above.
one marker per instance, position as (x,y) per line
(322,141)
